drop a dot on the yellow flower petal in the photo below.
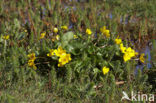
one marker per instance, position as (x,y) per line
(75,37)
(88,31)
(55,30)
(6,37)
(57,37)
(64,27)
(105,70)
(42,35)
(118,41)
(142,59)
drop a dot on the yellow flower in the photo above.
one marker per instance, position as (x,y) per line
(6,37)
(105,31)
(31,60)
(32,64)
(42,35)
(128,53)
(105,70)
(126,57)
(64,27)
(142,59)
(51,53)
(57,37)
(55,30)
(102,29)
(107,34)
(25,31)
(88,31)
(58,52)
(75,37)
(118,41)
(53,39)
(64,58)
(31,56)
(122,48)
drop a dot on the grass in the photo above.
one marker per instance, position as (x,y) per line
(80,80)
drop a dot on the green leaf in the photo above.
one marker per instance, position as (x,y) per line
(17,23)
(66,38)
(96,70)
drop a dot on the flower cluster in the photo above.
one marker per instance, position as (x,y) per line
(31,60)
(64,58)
(105,31)
(128,52)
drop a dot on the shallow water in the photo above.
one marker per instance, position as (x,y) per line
(148,56)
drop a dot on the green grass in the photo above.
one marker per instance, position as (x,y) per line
(80,80)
